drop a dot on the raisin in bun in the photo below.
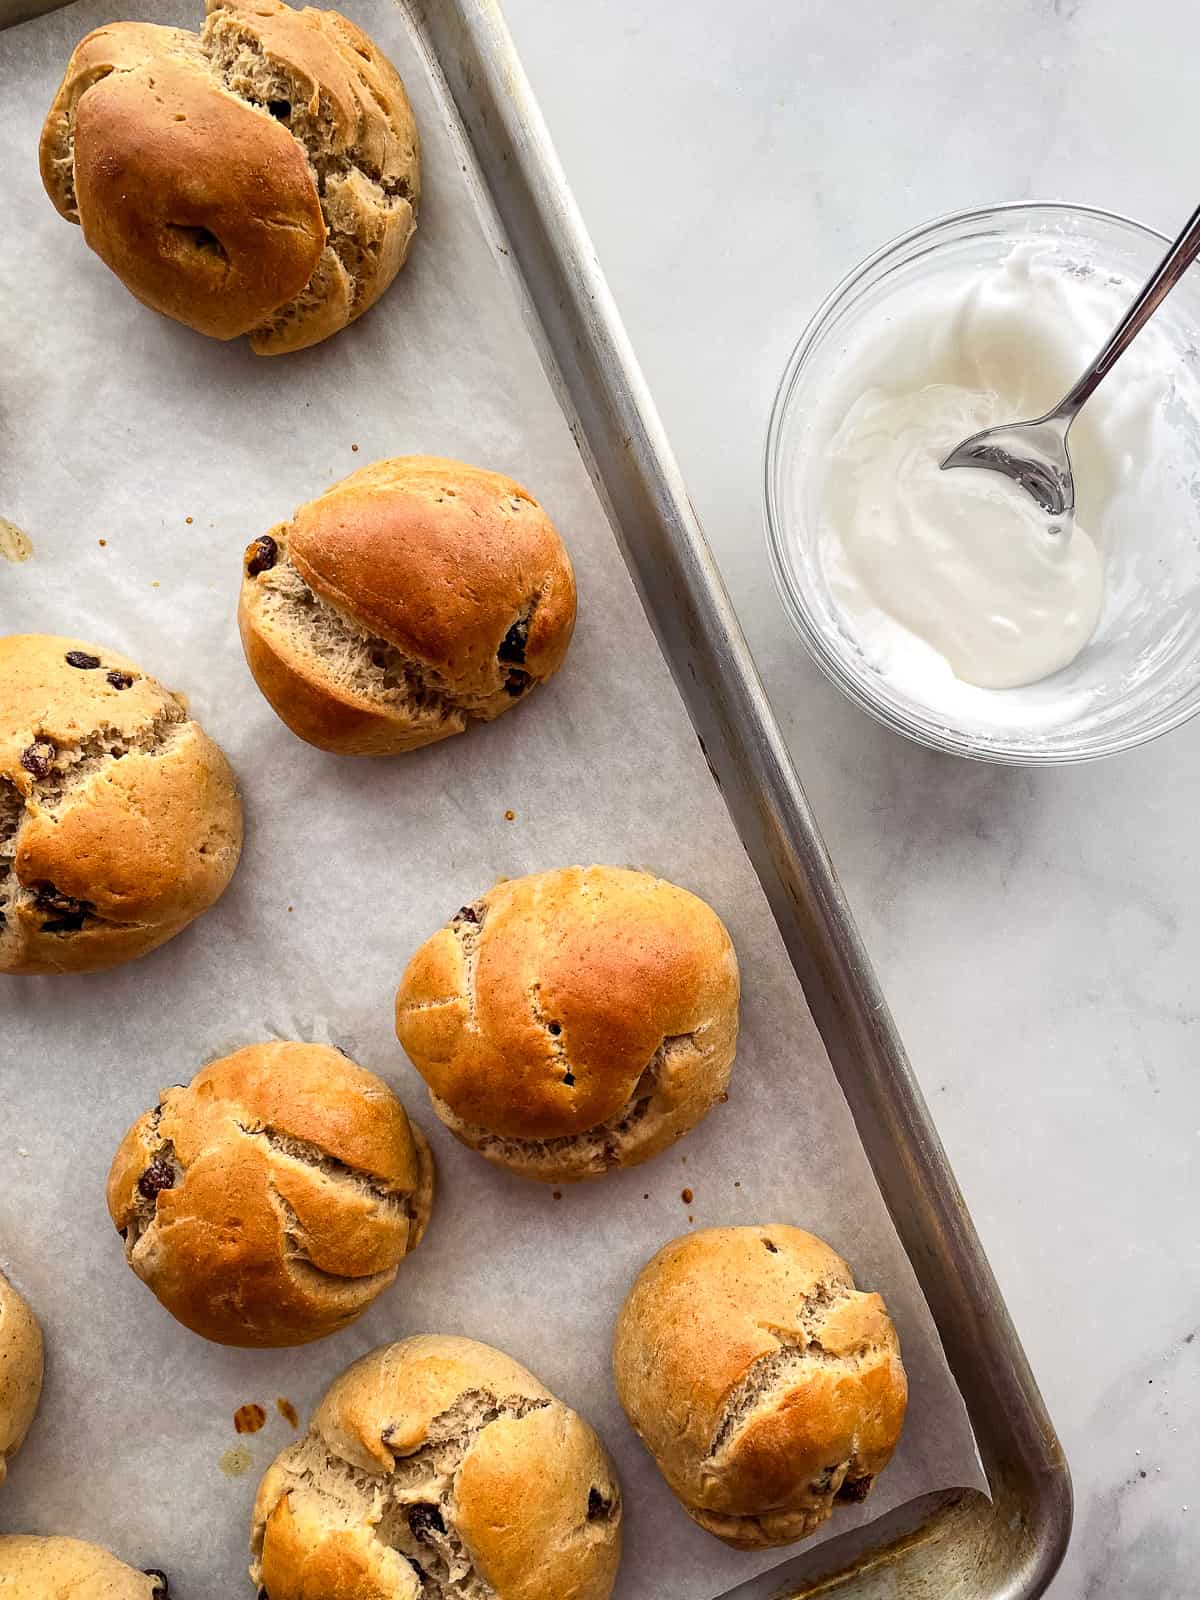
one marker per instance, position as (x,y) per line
(271,1200)
(260,177)
(766,1387)
(411,599)
(573,1021)
(20,1371)
(56,1568)
(119,817)
(438,1466)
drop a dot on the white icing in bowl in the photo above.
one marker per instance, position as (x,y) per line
(996,312)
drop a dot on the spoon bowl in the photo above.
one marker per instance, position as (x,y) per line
(1033,454)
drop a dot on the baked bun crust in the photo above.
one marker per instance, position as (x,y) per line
(119,817)
(55,1568)
(411,599)
(766,1387)
(261,177)
(21,1369)
(271,1200)
(443,1457)
(573,1021)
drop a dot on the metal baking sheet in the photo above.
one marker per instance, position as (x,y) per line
(502,273)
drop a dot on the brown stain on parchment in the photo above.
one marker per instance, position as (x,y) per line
(249,1418)
(286,1409)
(15,544)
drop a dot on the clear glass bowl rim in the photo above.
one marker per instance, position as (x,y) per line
(930,733)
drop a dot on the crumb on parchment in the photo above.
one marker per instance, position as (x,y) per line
(15,543)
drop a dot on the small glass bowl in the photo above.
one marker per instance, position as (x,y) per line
(1139,676)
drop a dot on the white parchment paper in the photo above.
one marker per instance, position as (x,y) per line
(140,458)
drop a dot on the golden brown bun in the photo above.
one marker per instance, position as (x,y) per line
(573,1021)
(271,1200)
(764,1385)
(119,817)
(68,1569)
(410,599)
(446,1455)
(20,1371)
(191,162)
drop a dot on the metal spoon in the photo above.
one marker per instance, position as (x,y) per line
(1034,454)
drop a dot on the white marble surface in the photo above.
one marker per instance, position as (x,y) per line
(1035,932)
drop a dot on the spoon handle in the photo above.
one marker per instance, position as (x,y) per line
(1155,290)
